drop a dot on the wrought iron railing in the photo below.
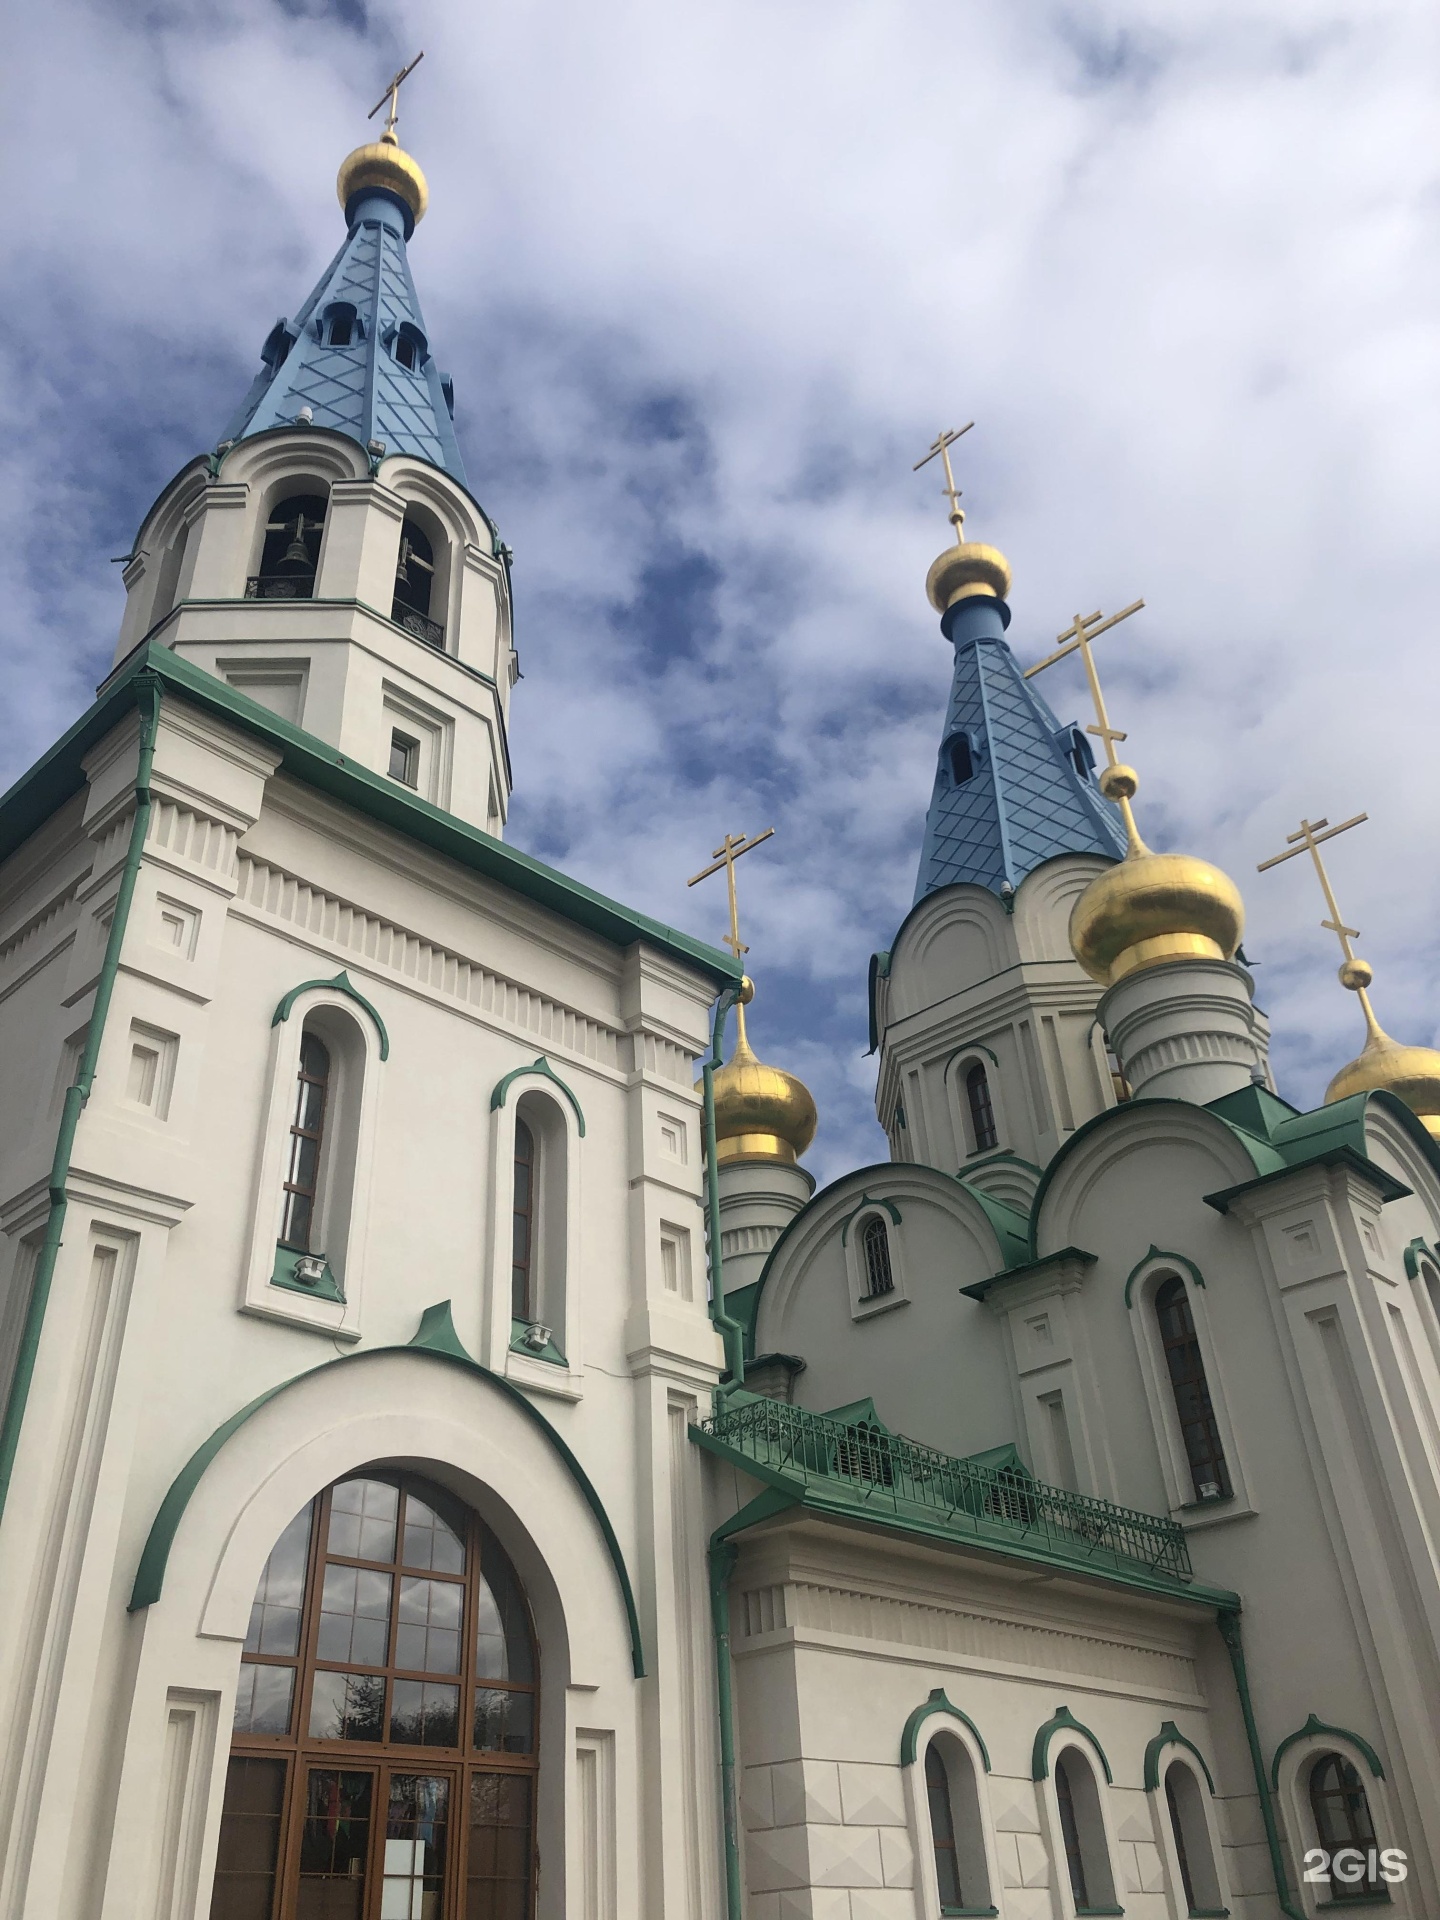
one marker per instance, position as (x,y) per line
(423,628)
(280,586)
(886,1473)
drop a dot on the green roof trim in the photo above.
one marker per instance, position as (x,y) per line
(1314,1725)
(1063,1721)
(437,1338)
(1161,1253)
(1011,1229)
(980,1289)
(342,983)
(1171,1736)
(58,776)
(543,1067)
(937,1703)
(1385,1184)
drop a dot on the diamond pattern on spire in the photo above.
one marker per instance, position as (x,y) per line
(1025,802)
(360,390)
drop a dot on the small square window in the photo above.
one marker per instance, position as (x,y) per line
(404,758)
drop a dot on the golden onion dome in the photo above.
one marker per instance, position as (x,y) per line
(1412,1074)
(383,166)
(1152,907)
(965,570)
(761,1113)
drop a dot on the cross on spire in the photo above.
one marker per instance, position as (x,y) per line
(941,445)
(1117,783)
(1354,972)
(726,856)
(392,94)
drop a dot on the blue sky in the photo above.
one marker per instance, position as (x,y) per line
(709,280)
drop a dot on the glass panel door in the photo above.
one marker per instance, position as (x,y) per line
(335,1844)
(417,1825)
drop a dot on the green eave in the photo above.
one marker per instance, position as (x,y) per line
(56,777)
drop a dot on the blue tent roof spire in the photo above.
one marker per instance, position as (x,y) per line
(1013,787)
(356,358)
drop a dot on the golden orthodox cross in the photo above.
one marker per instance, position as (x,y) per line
(1307,840)
(392,94)
(726,856)
(942,445)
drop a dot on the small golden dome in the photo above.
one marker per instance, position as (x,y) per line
(761,1113)
(385,166)
(965,570)
(1412,1074)
(1152,907)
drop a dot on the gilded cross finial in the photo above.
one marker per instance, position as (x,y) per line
(941,445)
(392,94)
(1117,782)
(726,856)
(1355,973)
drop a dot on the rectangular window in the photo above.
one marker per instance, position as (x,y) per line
(675,1260)
(404,758)
(152,1069)
(249,1839)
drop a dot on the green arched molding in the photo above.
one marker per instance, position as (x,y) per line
(937,1703)
(1313,1726)
(342,983)
(1414,1254)
(969,1046)
(867,1201)
(1171,1736)
(543,1067)
(1161,1253)
(1064,1721)
(436,1338)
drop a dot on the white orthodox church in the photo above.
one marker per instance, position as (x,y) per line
(453,1463)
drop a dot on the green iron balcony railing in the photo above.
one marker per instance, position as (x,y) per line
(884,1474)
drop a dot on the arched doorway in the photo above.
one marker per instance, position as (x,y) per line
(383,1759)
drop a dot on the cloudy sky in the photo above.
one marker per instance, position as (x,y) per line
(709,279)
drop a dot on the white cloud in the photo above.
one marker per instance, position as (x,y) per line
(709,280)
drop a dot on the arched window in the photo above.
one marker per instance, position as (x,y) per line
(982,1111)
(958,1847)
(523,1249)
(414,585)
(958,759)
(1082,1832)
(1198,1426)
(875,1249)
(408,347)
(338,327)
(383,1758)
(1192,1839)
(1341,1811)
(307,1141)
(290,557)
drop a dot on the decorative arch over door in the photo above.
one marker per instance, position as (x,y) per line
(384,1752)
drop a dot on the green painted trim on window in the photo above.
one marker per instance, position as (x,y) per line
(910,1742)
(144,692)
(970,1046)
(1417,1251)
(283,1274)
(549,1353)
(866,1201)
(342,983)
(1313,1726)
(59,775)
(543,1067)
(1171,1736)
(436,1337)
(1065,1721)
(1161,1253)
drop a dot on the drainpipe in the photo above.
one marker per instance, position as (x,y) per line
(730,1330)
(148,687)
(722,1563)
(1229,1625)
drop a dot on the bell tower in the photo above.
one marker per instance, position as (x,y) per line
(327,557)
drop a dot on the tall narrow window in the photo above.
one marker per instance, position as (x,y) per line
(1192,1839)
(522,1292)
(1198,1426)
(291,554)
(982,1110)
(307,1138)
(1342,1819)
(1177,1827)
(339,324)
(393,1767)
(942,1829)
(875,1246)
(959,759)
(1070,1833)
(404,758)
(414,585)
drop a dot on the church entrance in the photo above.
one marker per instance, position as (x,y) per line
(384,1755)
